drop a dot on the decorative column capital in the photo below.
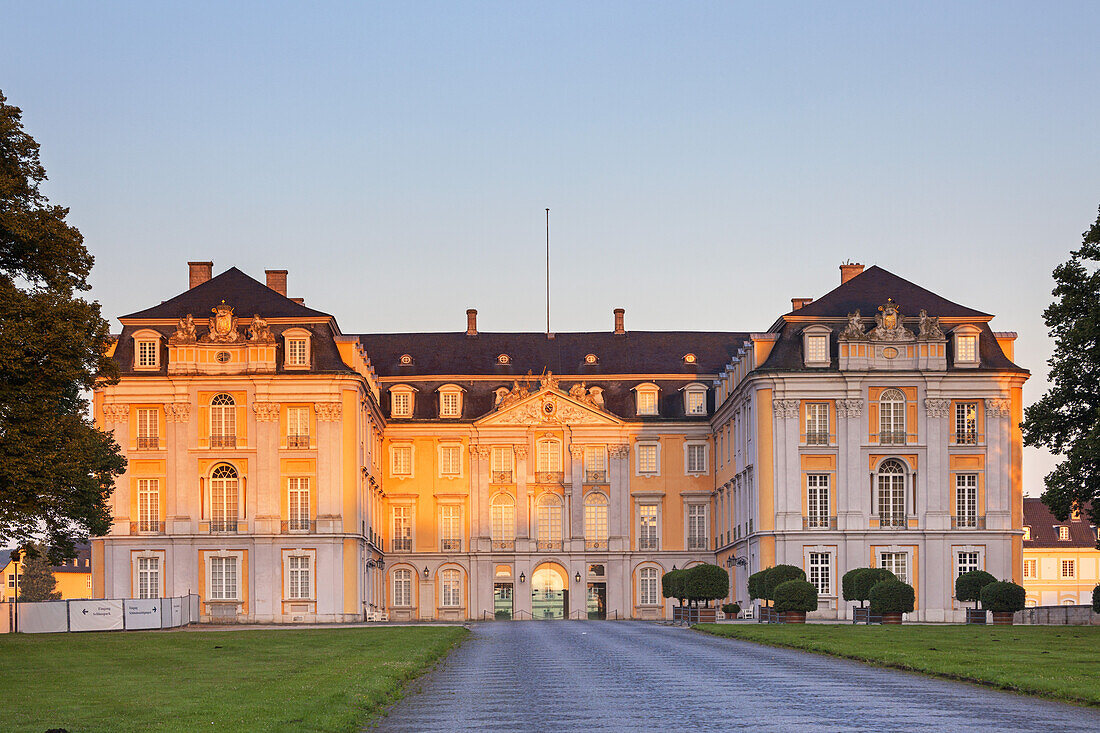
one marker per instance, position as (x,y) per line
(849,408)
(998,407)
(266,411)
(619,451)
(785,408)
(329,411)
(115,413)
(521,452)
(178,411)
(576,451)
(937,406)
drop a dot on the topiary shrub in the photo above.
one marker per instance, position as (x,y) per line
(731,609)
(1096,599)
(848,585)
(756,586)
(672,585)
(706,583)
(865,579)
(892,596)
(1003,597)
(795,595)
(780,574)
(968,586)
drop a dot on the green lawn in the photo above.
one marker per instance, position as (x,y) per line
(309,679)
(1060,662)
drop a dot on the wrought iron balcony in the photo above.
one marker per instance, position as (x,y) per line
(968,522)
(595,544)
(549,477)
(501,477)
(506,545)
(299,525)
(224,525)
(548,544)
(648,543)
(893,520)
(297,441)
(892,437)
(966,437)
(697,543)
(146,527)
(819,522)
(223,441)
(595,477)
(401,544)
(148,442)
(450,545)
(817,437)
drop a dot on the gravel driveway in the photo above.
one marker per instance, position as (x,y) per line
(625,676)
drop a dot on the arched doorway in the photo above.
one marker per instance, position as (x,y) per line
(549,592)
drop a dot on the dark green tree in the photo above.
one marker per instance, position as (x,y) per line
(36,580)
(672,585)
(1067,418)
(707,582)
(56,469)
(968,586)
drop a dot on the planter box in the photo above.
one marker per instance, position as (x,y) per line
(975,616)
(891,618)
(793,617)
(1002,618)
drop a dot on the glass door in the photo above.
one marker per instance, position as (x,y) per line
(502,601)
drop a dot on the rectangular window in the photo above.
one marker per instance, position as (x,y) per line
(450,460)
(223,578)
(647,402)
(820,572)
(817,348)
(148,577)
(548,456)
(1031,568)
(148,425)
(966,423)
(897,563)
(147,353)
(450,528)
(966,562)
(696,458)
(968,349)
(817,501)
(891,500)
(647,530)
(966,499)
(452,589)
(402,587)
(148,505)
(697,402)
(697,526)
(297,427)
(448,404)
(401,405)
(298,574)
(402,529)
(817,423)
(296,352)
(1068,569)
(595,462)
(1063,533)
(647,458)
(298,503)
(501,465)
(402,460)
(647,587)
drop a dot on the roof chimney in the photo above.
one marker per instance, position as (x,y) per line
(797,303)
(619,327)
(471,322)
(198,273)
(849,270)
(276,280)
(299,301)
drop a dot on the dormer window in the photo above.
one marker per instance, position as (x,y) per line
(591,359)
(689,358)
(1027,534)
(401,401)
(966,346)
(646,396)
(695,399)
(296,347)
(406,360)
(504,359)
(147,350)
(450,401)
(815,346)
(1063,533)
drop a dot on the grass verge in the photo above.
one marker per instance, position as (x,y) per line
(263,680)
(1061,663)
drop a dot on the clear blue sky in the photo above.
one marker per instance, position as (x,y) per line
(705,162)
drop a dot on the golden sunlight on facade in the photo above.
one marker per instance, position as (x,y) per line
(1061,560)
(286,471)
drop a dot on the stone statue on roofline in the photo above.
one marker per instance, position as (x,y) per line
(185,331)
(259,331)
(929,326)
(854,329)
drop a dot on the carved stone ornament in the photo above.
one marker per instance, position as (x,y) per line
(178,412)
(521,452)
(929,327)
(998,408)
(854,330)
(259,331)
(185,331)
(266,411)
(849,408)
(619,451)
(785,408)
(550,409)
(889,324)
(116,413)
(481,451)
(937,406)
(329,411)
(223,326)
(576,451)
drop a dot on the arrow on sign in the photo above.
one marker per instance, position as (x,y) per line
(84,611)
(154,609)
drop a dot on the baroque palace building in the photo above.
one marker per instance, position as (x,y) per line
(286,471)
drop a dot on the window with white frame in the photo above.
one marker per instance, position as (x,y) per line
(402,587)
(891,417)
(297,352)
(595,521)
(966,423)
(1063,533)
(697,527)
(647,457)
(548,455)
(401,403)
(148,425)
(817,501)
(401,460)
(297,427)
(817,423)
(147,353)
(502,518)
(647,400)
(223,578)
(1027,533)
(549,518)
(1069,569)
(450,528)
(891,494)
(966,562)
(223,421)
(695,401)
(450,460)
(647,527)
(966,349)
(595,462)
(451,587)
(298,503)
(820,572)
(148,577)
(1031,568)
(897,563)
(696,457)
(450,403)
(148,505)
(224,502)
(966,499)
(298,576)
(502,462)
(647,586)
(402,528)
(817,348)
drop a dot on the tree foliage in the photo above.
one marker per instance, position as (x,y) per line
(1003,596)
(672,585)
(892,596)
(866,580)
(757,590)
(1096,599)
(36,580)
(795,595)
(969,585)
(780,574)
(1067,418)
(706,582)
(56,469)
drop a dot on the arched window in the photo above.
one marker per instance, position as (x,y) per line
(223,421)
(402,587)
(451,590)
(548,457)
(549,522)
(595,521)
(223,498)
(647,586)
(891,493)
(891,417)
(502,522)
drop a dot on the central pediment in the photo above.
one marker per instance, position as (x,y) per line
(548,406)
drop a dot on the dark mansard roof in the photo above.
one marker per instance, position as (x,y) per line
(1044,527)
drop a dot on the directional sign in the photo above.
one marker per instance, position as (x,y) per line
(143,614)
(95,616)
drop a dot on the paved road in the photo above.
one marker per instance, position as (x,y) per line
(625,676)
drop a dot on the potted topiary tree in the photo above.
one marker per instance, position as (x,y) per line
(968,587)
(1003,598)
(890,599)
(757,592)
(776,575)
(672,586)
(793,599)
(731,609)
(705,583)
(863,579)
(1096,599)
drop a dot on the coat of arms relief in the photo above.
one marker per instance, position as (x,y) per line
(890,326)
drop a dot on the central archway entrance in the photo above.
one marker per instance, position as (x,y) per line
(549,592)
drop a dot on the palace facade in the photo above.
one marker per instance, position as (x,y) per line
(286,471)
(1061,558)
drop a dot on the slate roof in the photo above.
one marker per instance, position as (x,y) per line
(1044,524)
(5,558)
(247,296)
(82,563)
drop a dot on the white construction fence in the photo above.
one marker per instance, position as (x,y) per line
(117,614)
